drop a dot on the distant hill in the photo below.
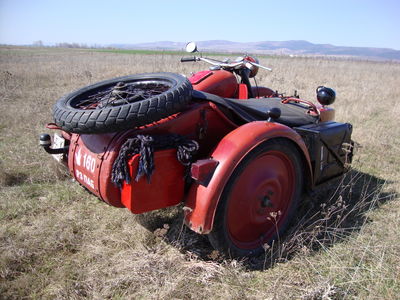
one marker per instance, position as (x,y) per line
(270,47)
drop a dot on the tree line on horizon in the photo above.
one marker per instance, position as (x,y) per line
(40,43)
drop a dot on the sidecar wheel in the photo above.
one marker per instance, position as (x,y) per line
(259,200)
(122,103)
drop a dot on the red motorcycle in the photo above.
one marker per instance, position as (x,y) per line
(238,156)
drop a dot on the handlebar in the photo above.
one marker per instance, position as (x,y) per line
(225,65)
(187,59)
(260,66)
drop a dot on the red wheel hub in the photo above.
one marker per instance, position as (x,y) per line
(260,199)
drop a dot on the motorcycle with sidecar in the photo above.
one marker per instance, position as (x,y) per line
(237,156)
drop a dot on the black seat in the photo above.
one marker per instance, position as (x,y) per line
(256,109)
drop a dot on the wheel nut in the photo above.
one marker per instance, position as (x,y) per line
(266,202)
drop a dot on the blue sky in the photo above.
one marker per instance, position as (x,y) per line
(344,23)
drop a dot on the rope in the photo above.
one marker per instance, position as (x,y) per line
(145,145)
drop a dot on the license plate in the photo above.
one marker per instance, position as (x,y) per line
(58,142)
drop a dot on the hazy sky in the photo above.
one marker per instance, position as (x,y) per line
(338,22)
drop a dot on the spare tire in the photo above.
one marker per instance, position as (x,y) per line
(122,103)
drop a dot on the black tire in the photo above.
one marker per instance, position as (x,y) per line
(122,103)
(258,203)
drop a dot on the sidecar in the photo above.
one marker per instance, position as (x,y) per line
(238,166)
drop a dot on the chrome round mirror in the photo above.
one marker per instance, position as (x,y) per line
(191,47)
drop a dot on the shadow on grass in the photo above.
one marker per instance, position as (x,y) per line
(327,217)
(8,179)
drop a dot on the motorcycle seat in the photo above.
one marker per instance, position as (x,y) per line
(249,110)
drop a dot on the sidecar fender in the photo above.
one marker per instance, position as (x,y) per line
(202,200)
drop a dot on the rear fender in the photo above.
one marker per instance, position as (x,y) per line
(202,201)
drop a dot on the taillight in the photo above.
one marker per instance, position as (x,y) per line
(203,170)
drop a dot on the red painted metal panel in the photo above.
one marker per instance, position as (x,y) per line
(165,189)
(89,166)
(199,76)
(220,82)
(243,92)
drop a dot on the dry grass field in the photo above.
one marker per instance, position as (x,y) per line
(59,242)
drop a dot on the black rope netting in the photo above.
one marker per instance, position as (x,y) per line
(145,145)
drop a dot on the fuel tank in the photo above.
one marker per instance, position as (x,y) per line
(218,82)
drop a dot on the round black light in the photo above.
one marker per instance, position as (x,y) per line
(325,95)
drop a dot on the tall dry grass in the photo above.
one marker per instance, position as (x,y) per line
(57,241)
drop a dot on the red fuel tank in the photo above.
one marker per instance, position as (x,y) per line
(219,82)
